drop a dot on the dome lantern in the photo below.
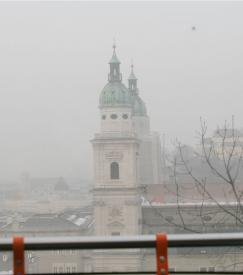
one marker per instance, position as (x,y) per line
(132,81)
(114,74)
(115,92)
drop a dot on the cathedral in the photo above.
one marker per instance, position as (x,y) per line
(126,157)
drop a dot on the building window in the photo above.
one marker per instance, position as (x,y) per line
(103,117)
(125,116)
(115,233)
(114,171)
(113,116)
(5,258)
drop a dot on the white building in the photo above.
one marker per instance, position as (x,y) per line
(126,155)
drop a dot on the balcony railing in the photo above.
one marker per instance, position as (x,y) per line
(130,242)
(126,242)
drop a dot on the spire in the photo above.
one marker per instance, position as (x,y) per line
(114,74)
(132,75)
(114,58)
(132,80)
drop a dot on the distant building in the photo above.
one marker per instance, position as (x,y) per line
(68,223)
(223,141)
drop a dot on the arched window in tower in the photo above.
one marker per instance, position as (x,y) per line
(114,171)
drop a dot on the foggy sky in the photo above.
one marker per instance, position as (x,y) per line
(53,65)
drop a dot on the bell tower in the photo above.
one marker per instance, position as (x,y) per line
(117,205)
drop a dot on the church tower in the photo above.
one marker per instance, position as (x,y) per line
(117,205)
(149,142)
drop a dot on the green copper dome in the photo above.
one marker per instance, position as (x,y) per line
(115,93)
(139,108)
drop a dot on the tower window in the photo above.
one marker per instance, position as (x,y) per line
(113,116)
(125,116)
(114,171)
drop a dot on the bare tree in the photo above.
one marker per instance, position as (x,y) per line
(220,160)
(223,156)
(205,190)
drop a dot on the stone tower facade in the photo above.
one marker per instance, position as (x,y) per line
(119,151)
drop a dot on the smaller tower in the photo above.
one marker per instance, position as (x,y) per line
(149,161)
(139,112)
(132,81)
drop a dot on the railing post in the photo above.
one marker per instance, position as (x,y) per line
(162,254)
(18,256)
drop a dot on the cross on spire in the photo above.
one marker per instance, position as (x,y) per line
(114,45)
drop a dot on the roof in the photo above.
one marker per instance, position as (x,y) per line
(115,93)
(47,222)
(188,194)
(183,208)
(71,221)
(139,108)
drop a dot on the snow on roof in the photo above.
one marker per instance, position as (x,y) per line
(189,194)
(71,218)
(80,221)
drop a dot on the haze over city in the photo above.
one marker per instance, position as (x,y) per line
(53,64)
